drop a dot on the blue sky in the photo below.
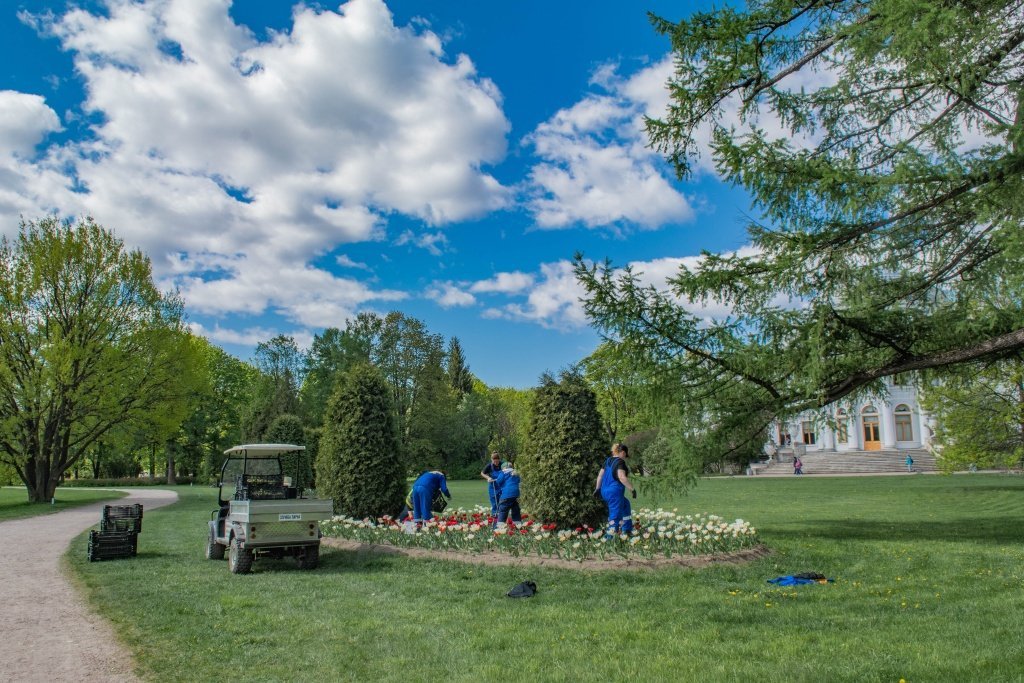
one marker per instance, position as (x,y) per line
(286,166)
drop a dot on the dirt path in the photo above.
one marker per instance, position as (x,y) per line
(48,632)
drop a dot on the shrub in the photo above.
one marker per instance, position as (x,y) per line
(560,463)
(123,481)
(288,429)
(358,463)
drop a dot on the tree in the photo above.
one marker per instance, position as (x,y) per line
(332,353)
(512,420)
(459,377)
(979,416)
(358,463)
(88,344)
(281,366)
(565,453)
(892,204)
(619,388)
(288,429)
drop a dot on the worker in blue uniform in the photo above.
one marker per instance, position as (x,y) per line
(424,489)
(507,483)
(612,483)
(490,473)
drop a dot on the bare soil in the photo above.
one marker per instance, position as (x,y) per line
(49,632)
(494,558)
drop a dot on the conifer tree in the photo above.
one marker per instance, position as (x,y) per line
(566,449)
(358,463)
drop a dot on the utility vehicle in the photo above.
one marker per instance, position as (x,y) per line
(262,511)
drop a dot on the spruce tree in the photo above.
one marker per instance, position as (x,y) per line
(564,454)
(358,463)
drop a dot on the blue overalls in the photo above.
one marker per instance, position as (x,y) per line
(507,484)
(424,489)
(620,515)
(493,471)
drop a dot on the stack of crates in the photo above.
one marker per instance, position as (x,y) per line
(120,526)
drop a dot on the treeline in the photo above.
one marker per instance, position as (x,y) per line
(443,416)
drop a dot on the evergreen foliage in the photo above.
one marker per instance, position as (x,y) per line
(288,429)
(892,204)
(459,377)
(358,463)
(566,450)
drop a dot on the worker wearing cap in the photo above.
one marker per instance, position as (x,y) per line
(424,489)
(490,473)
(507,483)
(612,482)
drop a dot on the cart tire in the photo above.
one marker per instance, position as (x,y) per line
(309,557)
(214,550)
(239,559)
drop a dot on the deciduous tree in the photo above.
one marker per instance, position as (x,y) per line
(88,344)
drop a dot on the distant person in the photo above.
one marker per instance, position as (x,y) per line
(910,463)
(507,484)
(798,465)
(490,473)
(424,489)
(612,482)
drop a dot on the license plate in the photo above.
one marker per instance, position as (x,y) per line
(292,517)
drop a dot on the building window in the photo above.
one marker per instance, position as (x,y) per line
(809,436)
(869,418)
(904,427)
(842,427)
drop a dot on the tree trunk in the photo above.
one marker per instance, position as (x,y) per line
(152,461)
(171,480)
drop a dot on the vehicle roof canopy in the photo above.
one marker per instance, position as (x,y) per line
(262,450)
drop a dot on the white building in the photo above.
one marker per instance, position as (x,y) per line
(893,421)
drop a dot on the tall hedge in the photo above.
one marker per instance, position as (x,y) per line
(287,428)
(565,451)
(358,463)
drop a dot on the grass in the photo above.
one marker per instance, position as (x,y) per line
(929,587)
(14,501)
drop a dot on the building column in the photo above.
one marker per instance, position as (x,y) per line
(828,439)
(887,426)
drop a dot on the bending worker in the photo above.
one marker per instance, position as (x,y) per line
(507,484)
(424,489)
(490,473)
(612,482)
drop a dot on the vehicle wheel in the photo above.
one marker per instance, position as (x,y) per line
(239,560)
(214,550)
(309,557)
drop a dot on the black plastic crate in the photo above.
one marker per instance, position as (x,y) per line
(106,545)
(122,518)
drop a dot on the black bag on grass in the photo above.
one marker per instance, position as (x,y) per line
(526,589)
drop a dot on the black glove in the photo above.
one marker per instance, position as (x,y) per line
(634,494)
(597,493)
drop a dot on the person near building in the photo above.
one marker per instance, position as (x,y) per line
(910,463)
(798,465)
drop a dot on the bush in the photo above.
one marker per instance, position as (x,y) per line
(123,481)
(288,429)
(560,464)
(358,463)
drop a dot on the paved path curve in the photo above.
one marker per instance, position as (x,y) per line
(48,632)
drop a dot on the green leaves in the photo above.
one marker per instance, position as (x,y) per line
(879,141)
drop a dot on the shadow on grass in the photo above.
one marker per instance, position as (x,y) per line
(998,530)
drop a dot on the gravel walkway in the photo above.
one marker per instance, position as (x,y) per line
(48,631)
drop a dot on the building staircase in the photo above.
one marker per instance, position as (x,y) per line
(849,462)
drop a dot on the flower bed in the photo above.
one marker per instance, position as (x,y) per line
(657,533)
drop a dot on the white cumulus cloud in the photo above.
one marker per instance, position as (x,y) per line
(235,161)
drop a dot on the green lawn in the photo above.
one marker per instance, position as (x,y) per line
(14,501)
(929,587)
